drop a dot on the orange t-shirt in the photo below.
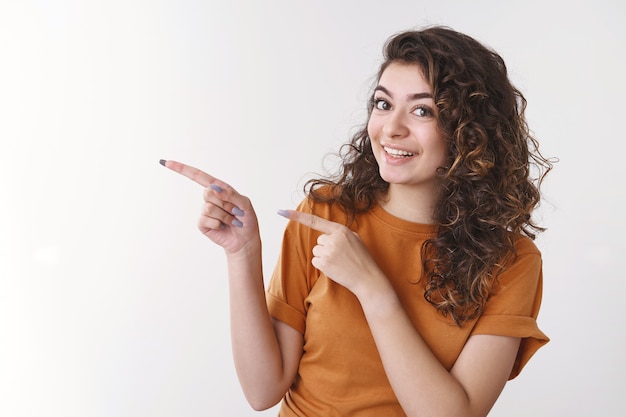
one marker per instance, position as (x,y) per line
(340,372)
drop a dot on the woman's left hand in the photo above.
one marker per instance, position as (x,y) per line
(340,253)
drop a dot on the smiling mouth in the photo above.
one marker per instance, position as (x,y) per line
(397,153)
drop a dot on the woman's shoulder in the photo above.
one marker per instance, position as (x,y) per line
(525,245)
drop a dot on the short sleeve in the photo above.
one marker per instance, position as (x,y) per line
(513,308)
(293,275)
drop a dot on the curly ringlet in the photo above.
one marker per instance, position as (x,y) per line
(487,194)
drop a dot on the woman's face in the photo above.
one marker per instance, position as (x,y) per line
(403,128)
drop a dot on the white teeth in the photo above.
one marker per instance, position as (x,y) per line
(397,152)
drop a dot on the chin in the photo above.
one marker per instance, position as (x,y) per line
(393,177)
(389,179)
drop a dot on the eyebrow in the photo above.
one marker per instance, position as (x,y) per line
(415,96)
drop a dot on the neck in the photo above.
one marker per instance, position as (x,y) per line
(408,203)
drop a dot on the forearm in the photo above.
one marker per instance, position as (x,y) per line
(256,350)
(421,383)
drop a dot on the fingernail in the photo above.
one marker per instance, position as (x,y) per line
(216,188)
(237,223)
(284,213)
(237,211)
(162,161)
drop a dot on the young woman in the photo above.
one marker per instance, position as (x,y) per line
(409,283)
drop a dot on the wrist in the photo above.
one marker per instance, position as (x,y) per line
(245,264)
(248,256)
(378,295)
(252,247)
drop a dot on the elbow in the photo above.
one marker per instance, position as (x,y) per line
(265,393)
(261,402)
(262,405)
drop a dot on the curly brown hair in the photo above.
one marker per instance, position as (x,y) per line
(487,190)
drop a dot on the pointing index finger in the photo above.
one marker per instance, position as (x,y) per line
(311,220)
(190,172)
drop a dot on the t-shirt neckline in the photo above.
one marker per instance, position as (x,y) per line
(383,215)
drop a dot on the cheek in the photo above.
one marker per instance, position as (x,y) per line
(443,152)
(374,125)
(370,130)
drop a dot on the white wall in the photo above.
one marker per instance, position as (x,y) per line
(112,304)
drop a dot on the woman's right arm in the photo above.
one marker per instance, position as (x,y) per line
(266,352)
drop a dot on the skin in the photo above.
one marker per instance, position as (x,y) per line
(404,119)
(267,352)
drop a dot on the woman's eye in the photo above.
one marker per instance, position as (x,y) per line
(381,104)
(423,111)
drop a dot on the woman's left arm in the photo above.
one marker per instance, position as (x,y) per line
(421,383)
(423,386)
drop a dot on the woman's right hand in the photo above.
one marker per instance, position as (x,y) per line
(266,352)
(226,217)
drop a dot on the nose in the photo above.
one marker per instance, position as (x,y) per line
(395,125)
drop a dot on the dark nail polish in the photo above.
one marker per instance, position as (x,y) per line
(162,161)
(237,211)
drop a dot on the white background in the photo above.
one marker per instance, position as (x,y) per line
(111,302)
